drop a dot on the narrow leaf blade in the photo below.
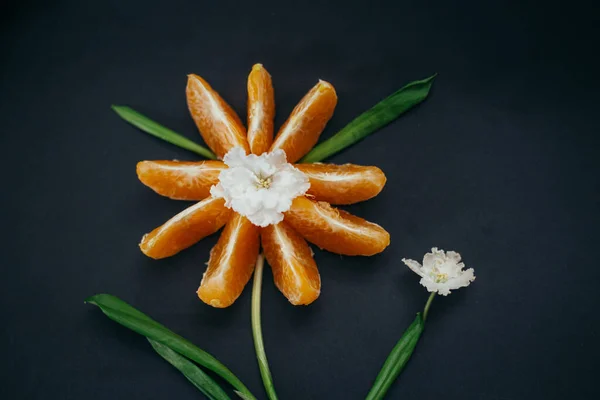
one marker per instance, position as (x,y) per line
(397,359)
(370,121)
(195,375)
(155,129)
(124,314)
(110,301)
(242,395)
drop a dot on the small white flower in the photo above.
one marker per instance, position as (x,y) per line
(261,188)
(441,272)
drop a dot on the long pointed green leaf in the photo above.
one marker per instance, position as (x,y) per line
(259,346)
(203,382)
(113,302)
(160,131)
(242,395)
(121,312)
(370,121)
(397,359)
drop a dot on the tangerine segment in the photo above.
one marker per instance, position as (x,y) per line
(343,184)
(336,230)
(261,110)
(218,124)
(231,263)
(180,180)
(308,119)
(186,228)
(294,269)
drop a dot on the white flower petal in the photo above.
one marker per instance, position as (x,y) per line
(235,157)
(271,201)
(414,265)
(265,218)
(454,256)
(217,191)
(276,158)
(283,204)
(432,286)
(289,180)
(463,280)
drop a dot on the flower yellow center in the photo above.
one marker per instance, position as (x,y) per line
(440,278)
(264,183)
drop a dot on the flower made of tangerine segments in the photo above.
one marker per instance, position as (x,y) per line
(271,188)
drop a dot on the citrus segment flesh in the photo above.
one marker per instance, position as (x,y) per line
(294,269)
(219,125)
(231,263)
(302,129)
(180,180)
(186,228)
(261,110)
(343,184)
(336,230)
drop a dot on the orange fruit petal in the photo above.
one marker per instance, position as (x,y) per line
(343,184)
(186,228)
(294,269)
(218,124)
(231,263)
(336,230)
(261,110)
(180,180)
(308,119)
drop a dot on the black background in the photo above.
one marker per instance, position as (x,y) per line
(500,163)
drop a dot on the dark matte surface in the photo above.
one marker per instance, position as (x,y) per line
(501,164)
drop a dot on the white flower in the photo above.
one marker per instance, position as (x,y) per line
(261,188)
(441,272)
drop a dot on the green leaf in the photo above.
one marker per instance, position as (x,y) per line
(259,346)
(397,359)
(242,395)
(370,121)
(124,314)
(160,131)
(194,374)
